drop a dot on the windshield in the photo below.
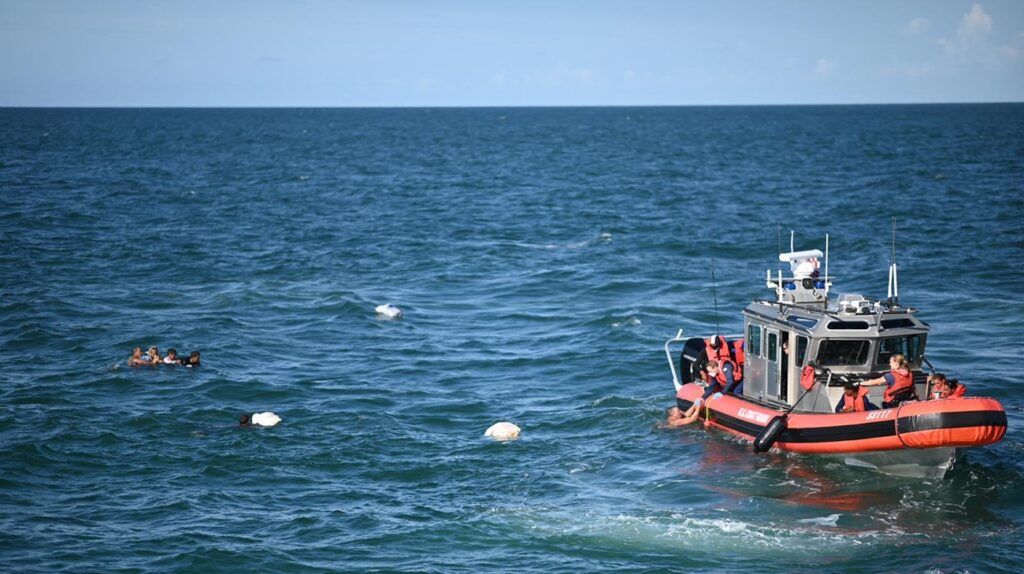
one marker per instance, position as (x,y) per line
(910,346)
(843,352)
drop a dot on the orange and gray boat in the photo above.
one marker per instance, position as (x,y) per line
(788,399)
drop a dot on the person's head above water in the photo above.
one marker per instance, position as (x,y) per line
(245,420)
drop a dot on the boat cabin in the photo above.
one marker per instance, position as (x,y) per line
(850,336)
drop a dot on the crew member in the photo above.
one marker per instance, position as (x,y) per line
(720,379)
(727,373)
(899,383)
(854,399)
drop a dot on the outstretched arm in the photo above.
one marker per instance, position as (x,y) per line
(874,382)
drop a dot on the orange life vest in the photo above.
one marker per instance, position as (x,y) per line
(740,357)
(903,380)
(721,355)
(859,404)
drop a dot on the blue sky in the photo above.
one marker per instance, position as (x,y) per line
(507,53)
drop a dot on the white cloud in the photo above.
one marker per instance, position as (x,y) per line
(971,43)
(824,68)
(975,24)
(917,26)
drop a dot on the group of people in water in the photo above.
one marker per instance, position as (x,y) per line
(721,367)
(152,357)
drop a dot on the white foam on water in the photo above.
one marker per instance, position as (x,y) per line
(627,322)
(679,532)
(601,238)
(830,520)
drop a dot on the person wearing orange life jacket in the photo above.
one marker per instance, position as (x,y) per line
(899,383)
(730,375)
(947,389)
(954,389)
(854,399)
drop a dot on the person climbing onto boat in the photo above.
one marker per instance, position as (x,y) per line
(946,388)
(854,399)
(727,375)
(677,418)
(899,383)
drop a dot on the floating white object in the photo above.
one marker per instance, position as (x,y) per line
(267,419)
(389,311)
(503,431)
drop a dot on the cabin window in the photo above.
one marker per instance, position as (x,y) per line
(847,325)
(909,346)
(753,340)
(898,324)
(803,321)
(801,350)
(837,352)
(773,347)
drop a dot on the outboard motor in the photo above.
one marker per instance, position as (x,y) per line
(689,367)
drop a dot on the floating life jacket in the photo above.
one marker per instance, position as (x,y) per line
(722,355)
(903,381)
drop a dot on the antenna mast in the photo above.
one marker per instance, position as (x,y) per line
(826,270)
(714,292)
(895,277)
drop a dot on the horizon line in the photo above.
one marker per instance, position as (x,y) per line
(491,106)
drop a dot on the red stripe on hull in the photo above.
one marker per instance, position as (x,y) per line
(926,424)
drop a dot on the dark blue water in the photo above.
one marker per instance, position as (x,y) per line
(542,257)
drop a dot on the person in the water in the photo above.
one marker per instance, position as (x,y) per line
(677,418)
(172,357)
(137,360)
(152,356)
(192,360)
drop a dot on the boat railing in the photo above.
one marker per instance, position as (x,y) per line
(671,364)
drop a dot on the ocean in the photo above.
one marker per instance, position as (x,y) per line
(541,258)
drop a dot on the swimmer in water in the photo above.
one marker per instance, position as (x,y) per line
(137,360)
(677,418)
(152,356)
(192,360)
(172,357)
